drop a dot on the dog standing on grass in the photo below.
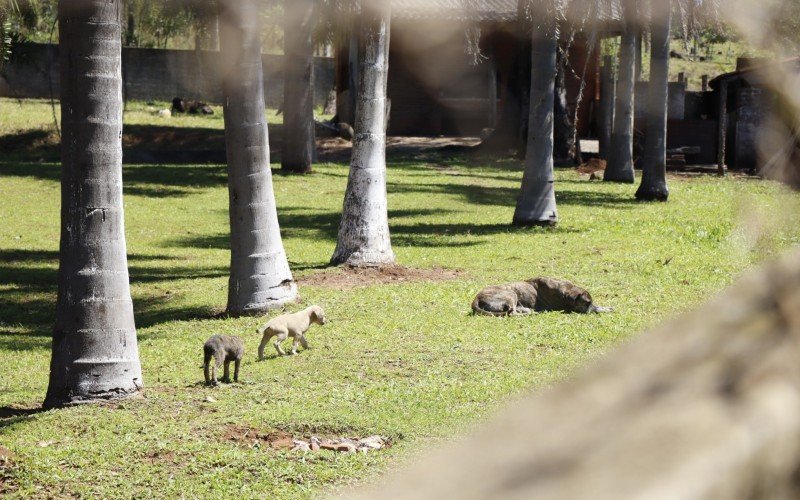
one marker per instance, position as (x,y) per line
(290,325)
(222,349)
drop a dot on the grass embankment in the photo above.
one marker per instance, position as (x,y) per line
(713,59)
(404,360)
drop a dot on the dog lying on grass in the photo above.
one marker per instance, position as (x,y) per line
(290,325)
(534,295)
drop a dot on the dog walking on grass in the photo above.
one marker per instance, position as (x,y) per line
(290,325)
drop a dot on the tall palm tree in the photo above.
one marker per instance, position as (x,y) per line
(537,201)
(260,278)
(564,150)
(620,160)
(654,158)
(364,228)
(95,355)
(299,146)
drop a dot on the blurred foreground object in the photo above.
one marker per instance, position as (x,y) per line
(707,406)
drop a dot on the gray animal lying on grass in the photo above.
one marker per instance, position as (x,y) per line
(534,295)
(290,325)
(223,349)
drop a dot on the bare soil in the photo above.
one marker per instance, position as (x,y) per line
(278,439)
(6,476)
(336,149)
(346,278)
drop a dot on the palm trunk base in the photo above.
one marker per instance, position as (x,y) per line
(93,381)
(534,223)
(66,400)
(656,193)
(625,175)
(296,168)
(285,293)
(362,258)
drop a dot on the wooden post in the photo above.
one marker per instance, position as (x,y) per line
(606,105)
(722,127)
(705,83)
(681,77)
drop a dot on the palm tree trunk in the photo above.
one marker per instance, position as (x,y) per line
(260,277)
(564,152)
(298,90)
(537,202)
(95,355)
(364,229)
(620,160)
(654,158)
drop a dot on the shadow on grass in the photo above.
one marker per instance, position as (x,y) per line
(476,194)
(11,415)
(141,144)
(155,181)
(30,302)
(325,225)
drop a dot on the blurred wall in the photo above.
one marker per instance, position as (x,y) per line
(151,74)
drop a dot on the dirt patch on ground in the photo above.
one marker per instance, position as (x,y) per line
(346,278)
(161,456)
(277,439)
(247,436)
(6,471)
(335,149)
(171,139)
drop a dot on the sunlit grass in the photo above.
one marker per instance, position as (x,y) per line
(403,360)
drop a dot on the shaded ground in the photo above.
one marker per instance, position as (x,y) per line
(150,143)
(351,277)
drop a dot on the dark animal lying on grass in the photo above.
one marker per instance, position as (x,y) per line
(192,107)
(223,349)
(537,294)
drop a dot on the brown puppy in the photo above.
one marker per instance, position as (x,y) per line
(290,325)
(537,294)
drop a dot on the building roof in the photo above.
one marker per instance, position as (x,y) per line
(758,72)
(496,10)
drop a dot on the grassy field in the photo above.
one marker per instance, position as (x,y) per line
(405,360)
(718,58)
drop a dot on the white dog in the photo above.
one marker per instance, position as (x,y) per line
(290,325)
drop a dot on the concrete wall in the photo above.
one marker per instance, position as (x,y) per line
(151,74)
(751,107)
(676,100)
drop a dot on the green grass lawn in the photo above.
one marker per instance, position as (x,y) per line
(403,360)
